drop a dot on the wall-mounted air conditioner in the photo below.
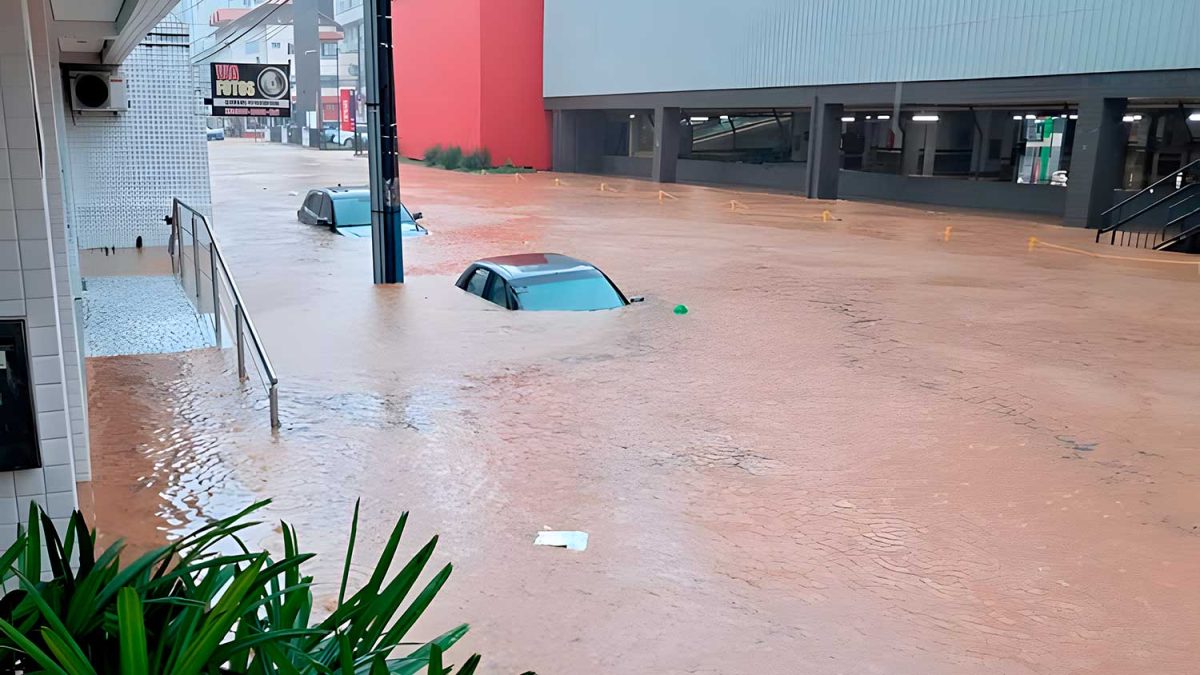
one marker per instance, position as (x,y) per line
(97,91)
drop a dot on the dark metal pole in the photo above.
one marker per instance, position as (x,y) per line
(386,243)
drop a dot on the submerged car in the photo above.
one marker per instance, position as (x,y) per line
(542,281)
(217,134)
(347,211)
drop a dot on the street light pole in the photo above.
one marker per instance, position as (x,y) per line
(386,242)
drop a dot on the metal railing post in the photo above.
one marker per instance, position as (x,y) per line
(241,349)
(216,291)
(178,239)
(274,396)
(196,255)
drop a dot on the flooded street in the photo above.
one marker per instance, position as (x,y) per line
(872,445)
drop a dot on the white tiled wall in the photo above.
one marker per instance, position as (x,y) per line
(68,291)
(33,268)
(126,168)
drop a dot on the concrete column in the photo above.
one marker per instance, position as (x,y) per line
(824,150)
(1097,159)
(910,152)
(980,140)
(931,140)
(801,120)
(563,155)
(666,145)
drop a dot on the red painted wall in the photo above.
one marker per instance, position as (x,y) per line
(437,73)
(469,73)
(515,123)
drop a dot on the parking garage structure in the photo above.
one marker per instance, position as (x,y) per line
(962,104)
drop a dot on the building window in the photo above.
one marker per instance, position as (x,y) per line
(329,81)
(329,49)
(275,45)
(291,48)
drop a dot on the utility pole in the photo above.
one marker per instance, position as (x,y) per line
(306,37)
(386,242)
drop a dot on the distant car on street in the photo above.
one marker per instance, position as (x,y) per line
(542,281)
(337,136)
(217,134)
(347,211)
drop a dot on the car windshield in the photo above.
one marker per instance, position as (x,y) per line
(574,291)
(356,210)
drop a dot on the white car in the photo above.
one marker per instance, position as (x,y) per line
(344,138)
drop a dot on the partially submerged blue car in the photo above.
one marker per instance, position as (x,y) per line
(542,281)
(347,211)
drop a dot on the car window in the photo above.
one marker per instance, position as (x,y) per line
(356,210)
(478,281)
(498,292)
(311,202)
(324,208)
(353,210)
(576,291)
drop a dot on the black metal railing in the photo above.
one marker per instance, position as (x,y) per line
(1179,229)
(197,261)
(1138,220)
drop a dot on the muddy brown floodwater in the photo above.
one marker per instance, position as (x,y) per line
(865,449)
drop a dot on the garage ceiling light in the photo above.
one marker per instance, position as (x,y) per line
(1131,118)
(885,117)
(1031,117)
(1194,117)
(1072,117)
(1018,118)
(698,119)
(847,119)
(633,117)
(924,118)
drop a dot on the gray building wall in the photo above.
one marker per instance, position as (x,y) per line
(631,46)
(1046,200)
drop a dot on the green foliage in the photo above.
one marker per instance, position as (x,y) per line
(451,157)
(478,160)
(432,155)
(183,609)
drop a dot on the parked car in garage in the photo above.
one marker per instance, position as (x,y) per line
(217,134)
(347,211)
(542,281)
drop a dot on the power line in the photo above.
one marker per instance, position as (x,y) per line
(226,43)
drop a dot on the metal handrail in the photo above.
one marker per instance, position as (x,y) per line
(239,311)
(1153,205)
(1183,233)
(1195,162)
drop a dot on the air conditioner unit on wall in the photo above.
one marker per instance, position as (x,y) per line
(97,91)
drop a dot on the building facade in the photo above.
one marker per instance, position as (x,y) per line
(1056,109)
(469,73)
(46,182)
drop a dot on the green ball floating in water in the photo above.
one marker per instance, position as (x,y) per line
(681,309)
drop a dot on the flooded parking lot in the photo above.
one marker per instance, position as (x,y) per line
(871,445)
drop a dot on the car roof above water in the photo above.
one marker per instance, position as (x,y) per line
(525,265)
(347,191)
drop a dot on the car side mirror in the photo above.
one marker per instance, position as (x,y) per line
(323,221)
(418,215)
(637,298)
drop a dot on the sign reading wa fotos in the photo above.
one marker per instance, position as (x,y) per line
(251,90)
